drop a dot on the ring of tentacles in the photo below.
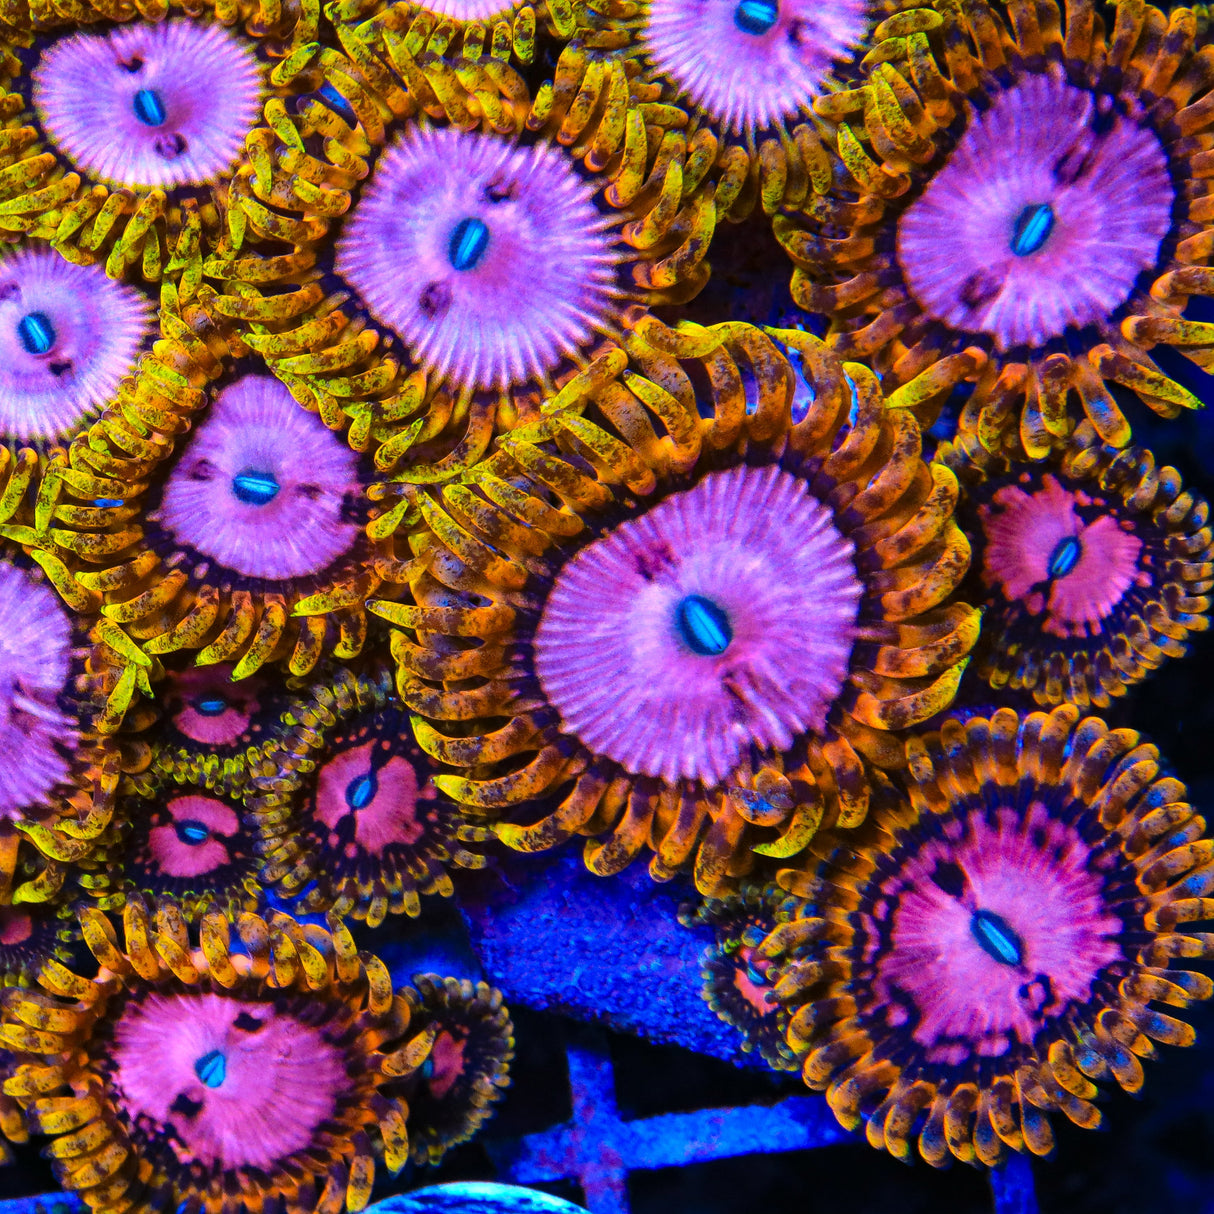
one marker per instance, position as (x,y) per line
(737,985)
(211,728)
(346,810)
(185,842)
(127,132)
(459,32)
(196,1074)
(30,935)
(453,1092)
(686,641)
(249,545)
(526,241)
(746,75)
(1024,188)
(989,946)
(1096,563)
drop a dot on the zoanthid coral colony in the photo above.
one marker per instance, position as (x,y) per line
(384,500)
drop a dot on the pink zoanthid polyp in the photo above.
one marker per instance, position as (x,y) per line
(488,257)
(262,488)
(722,617)
(1042,218)
(150,105)
(1069,571)
(68,335)
(749,65)
(993,939)
(232,1083)
(37,734)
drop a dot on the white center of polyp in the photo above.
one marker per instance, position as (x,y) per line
(262,486)
(500,261)
(242,1084)
(751,64)
(1043,217)
(721,617)
(470,10)
(36,736)
(150,104)
(68,335)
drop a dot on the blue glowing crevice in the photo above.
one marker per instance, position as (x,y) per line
(1013,1189)
(598,1148)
